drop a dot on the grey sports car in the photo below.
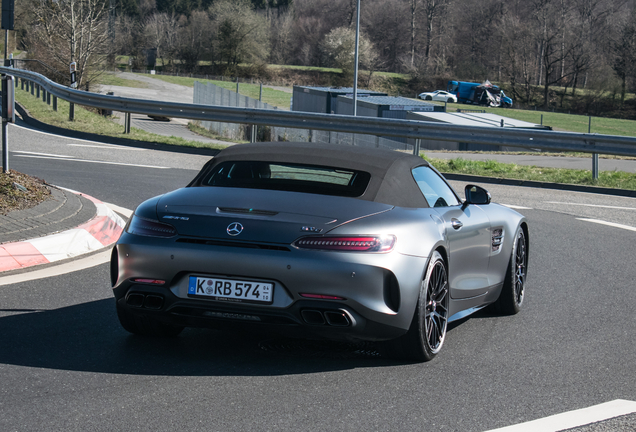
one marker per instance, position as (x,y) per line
(319,241)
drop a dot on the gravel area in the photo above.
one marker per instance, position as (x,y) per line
(19,192)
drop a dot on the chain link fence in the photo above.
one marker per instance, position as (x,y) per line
(210,94)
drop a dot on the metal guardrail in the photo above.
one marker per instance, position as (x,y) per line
(523,138)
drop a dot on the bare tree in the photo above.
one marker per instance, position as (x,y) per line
(161,31)
(194,40)
(623,49)
(433,11)
(281,37)
(384,24)
(517,56)
(66,31)
(339,49)
(242,35)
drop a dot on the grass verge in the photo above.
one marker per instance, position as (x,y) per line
(206,133)
(91,122)
(491,168)
(558,121)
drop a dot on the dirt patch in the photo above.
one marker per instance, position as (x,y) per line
(19,192)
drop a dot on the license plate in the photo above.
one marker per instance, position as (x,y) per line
(231,289)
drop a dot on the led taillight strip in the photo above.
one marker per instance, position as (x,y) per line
(348,243)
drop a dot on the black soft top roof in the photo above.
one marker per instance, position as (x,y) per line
(391,179)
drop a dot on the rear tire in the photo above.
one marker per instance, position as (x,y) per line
(514,289)
(427,332)
(144,325)
(428,98)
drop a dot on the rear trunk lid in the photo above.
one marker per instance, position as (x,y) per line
(264,215)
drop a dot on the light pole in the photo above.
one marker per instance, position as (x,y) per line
(355,65)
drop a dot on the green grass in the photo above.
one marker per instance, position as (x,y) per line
(491,168)
(558,121)
(306,68)
(89,121)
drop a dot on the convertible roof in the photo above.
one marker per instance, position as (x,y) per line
(391,179)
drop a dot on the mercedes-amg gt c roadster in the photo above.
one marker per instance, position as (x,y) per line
(319,241)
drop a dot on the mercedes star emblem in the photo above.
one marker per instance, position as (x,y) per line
(234,229)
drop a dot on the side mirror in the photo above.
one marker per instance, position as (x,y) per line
(476,195)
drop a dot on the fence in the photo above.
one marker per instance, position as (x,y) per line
(210,94)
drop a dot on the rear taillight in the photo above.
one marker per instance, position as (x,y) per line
(149,281)
(383,243)
(146,227)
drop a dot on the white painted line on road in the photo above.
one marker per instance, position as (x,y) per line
(576,418)
(54,135)
(69,267)
(107,146)
(517,207)
(41,154)
(92,161)
(592,205)
(612,224)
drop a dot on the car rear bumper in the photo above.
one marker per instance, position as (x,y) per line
(378,291)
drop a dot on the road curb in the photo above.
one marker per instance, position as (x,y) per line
(101,231)
(541,185)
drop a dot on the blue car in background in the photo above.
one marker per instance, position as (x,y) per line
(481,94)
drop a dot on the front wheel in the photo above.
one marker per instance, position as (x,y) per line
(427,332)
(514,289)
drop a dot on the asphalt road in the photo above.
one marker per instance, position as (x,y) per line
(66,364)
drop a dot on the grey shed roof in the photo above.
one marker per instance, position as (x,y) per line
(476,119)
(395,101)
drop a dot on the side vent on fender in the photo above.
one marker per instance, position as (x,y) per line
(497,239)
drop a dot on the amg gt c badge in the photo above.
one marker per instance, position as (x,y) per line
(234,229)
(311,229)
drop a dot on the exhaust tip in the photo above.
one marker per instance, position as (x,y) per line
(135,300)
(312,317)
(337,318)
(153,302)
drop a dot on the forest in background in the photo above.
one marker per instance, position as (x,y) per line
(578,55)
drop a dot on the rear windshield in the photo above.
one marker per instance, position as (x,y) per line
(288,177)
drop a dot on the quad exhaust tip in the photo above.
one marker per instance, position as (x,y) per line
(312,317)
(146,301)
(336,318)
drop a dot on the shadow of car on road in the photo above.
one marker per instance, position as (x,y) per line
(88,337)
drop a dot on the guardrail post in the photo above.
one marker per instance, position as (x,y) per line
(22,84)
(5,129)
(48,98)
(32,87)
(37,91)
(127,123)
(44,92)
(71,111)
(416,147)
(54,103)
(594,155)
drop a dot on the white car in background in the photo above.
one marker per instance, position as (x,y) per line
(438,95)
